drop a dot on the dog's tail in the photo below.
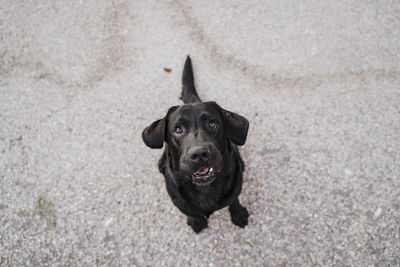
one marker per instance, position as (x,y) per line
(189,94)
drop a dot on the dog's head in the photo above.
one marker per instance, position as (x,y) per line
(197,135)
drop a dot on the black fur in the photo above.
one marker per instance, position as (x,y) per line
(189,94)
(200,137)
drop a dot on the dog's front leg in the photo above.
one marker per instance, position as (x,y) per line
(197,223)
(239,214)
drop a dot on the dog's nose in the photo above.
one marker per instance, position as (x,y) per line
(199,154)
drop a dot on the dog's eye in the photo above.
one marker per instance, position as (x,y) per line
(212,124)
(178,130)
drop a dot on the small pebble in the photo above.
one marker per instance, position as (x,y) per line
(378,213)
(348,172)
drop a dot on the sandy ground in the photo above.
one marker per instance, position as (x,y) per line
(319,82)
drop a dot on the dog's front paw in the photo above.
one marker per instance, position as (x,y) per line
(239,216)
(197,223)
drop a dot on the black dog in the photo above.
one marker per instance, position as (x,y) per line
(201,163)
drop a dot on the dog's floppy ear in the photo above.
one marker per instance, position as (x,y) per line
(236,127)
(154,134)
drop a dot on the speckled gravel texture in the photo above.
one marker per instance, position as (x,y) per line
(319,82)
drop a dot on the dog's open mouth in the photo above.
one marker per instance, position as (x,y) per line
(203,176)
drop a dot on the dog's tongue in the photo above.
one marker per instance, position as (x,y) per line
(202,170)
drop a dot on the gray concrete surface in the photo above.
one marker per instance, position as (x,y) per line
(318,80)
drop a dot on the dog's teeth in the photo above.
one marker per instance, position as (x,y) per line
(211,169)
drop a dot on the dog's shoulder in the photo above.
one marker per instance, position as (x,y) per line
(238,156)
(161,163)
